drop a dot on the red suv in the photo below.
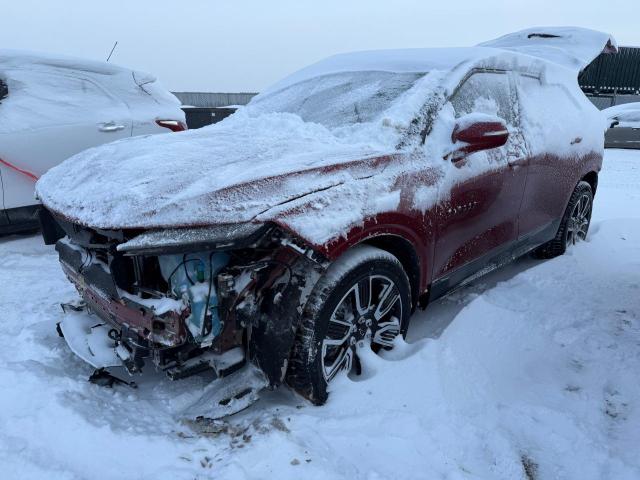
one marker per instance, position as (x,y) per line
(311,223)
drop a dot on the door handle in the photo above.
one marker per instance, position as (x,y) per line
(111,127)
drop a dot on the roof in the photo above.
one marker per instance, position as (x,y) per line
(19,58)
(609,73)
(412,60)
(570,47)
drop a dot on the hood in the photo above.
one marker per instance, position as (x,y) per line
(571,47)
(226,173)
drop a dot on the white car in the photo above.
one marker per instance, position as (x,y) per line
(54,107)
(624,126)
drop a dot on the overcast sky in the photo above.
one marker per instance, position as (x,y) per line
(242,45)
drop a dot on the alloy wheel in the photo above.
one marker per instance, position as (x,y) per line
(578,223)
(367,316)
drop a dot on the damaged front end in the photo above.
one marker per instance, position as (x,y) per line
(187,300)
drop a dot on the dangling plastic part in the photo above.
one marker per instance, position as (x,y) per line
(227,396)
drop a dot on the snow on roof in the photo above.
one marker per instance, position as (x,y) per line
(20,59)
(38,99)
(571,47)
(393,60)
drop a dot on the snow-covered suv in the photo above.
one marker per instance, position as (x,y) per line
(309,225)
(54,107)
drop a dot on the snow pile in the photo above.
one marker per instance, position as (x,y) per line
(46,90)
(493,384)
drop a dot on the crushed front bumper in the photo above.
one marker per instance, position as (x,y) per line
(90,340)
(135,323)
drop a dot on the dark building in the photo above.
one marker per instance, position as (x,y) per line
(203,108)
(613,79)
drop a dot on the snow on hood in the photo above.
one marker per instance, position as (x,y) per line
(572,47)
(225,173)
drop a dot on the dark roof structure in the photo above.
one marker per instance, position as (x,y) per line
(617,73)
(212,100)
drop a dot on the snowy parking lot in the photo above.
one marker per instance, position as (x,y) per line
(531,372)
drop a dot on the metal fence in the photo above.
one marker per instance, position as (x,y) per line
(617,73)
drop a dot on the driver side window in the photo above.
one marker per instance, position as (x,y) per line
(491,93)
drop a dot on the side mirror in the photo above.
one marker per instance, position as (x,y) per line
(614,123)
(476,132)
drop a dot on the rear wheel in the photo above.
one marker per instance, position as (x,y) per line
(360,303)
(574,225)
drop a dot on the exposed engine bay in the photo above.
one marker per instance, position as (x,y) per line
(188,301)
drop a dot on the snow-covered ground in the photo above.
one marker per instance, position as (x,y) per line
(531,373)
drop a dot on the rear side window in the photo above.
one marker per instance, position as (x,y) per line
(552,117)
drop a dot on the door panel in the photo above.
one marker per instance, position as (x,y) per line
(479,214)
(48,118)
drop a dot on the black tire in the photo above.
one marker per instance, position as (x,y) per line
(345,278)
(563,238)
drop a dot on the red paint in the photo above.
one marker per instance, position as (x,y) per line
(139,321)
(550,182)
(480,136)
(26,173)
(475,218)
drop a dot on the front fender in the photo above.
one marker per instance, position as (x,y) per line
(272,308)
(416,229)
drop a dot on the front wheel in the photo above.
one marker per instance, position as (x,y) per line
(362,301)
(574,225)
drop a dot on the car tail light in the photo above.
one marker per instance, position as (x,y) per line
(173,125)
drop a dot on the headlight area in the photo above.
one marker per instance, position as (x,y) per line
(201,303)
(191,280)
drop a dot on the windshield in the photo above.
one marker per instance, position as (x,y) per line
(339,99)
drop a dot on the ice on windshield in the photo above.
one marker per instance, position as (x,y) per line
(340,99)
